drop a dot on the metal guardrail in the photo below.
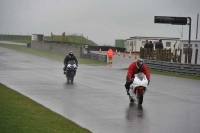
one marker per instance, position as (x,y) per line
(189,69)
(99,57)
(59,42)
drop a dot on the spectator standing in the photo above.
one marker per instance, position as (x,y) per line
(146,47)
(150,49)
(159,47)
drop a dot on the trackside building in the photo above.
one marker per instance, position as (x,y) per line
(134,43)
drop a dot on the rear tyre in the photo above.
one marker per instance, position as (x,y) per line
(140,97)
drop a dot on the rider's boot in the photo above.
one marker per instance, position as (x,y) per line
(127,86)
(127,90)
(64,71)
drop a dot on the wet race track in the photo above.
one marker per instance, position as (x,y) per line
(97,100)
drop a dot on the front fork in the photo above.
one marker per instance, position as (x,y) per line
(137,90)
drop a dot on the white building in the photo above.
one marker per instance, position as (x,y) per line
(195,44)
(37,37)
(134,43)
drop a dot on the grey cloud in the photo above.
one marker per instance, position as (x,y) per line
(102,21)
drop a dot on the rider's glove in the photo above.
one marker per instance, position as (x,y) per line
(148,81)
(131,80)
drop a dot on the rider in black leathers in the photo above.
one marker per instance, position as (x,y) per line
(159,44)
(69,57)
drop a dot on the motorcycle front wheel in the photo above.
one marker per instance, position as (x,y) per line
(72,79)
(140,97)
(72,74)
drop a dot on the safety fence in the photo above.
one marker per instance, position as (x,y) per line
(167,55)
(157,54)
(99,57)
(189,69)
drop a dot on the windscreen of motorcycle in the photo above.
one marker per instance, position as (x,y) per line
(71,62)
(140,76)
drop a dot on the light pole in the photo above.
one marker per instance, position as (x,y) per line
(189,29)
(197,26)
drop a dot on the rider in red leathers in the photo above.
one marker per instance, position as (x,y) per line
(133,69)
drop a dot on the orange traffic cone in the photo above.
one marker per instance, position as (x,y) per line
(129,55)
(119,53)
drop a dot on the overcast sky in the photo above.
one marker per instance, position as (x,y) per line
(102,21)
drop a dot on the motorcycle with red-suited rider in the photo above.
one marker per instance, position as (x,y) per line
(137,81)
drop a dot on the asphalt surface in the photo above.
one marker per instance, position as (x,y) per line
(97,100)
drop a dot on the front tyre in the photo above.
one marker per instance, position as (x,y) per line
(72,79)
(140,97)
(72,74)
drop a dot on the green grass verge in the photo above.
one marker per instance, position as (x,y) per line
(21,41)
(16,38)
(172,74)
(49,55)
(19,114)
(79,40)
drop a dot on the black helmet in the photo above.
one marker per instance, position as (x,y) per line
(71,54)
(139,63)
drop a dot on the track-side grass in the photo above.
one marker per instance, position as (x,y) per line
(16,38)
(48,55)
(21,41)
(19,114)
(175,74)
(172,74)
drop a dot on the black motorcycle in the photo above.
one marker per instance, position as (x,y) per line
(71,71)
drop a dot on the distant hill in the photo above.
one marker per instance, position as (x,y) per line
(78,40)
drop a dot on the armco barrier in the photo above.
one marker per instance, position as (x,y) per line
(99,57)
(190,69)
(59,48)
